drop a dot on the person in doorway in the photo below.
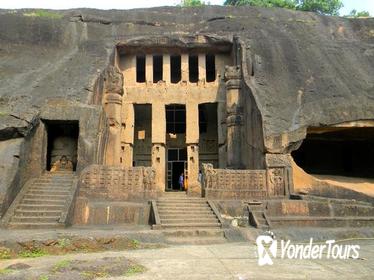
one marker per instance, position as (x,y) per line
(181,182)
(200,178)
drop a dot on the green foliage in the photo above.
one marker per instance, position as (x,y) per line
(43,14)
(356,14)
(135,269)
(192,3)
(5,271)
(4,253)
(32,253)
(326,7)
(135,243)
(289,4)
(63,243)
(61,265)
(44,277)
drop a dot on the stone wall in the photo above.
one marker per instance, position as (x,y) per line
(116,183)
(114,195)
(229,184)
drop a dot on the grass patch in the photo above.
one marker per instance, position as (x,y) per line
(135,243)
(135,269)
(5,271)
(94,274)
(33,253)
(61,265)
(63,243)
(44,277)
(43,14)
(4,254)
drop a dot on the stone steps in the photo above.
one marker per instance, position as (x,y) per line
(40,207)
(36,213)
(191,225)
(18,225)
(177,210)
(43,202)
(258,213)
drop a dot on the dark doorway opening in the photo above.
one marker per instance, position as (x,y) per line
(157,68)
(178,170)
(193,68)
(177,166)
(208,134)
(176,68)
(341,151)
(62,149)
(140,69)
(210,68)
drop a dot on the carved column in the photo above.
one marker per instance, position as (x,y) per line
(234,119)
(192,141)
(127,138)
(159,144)
(113,109)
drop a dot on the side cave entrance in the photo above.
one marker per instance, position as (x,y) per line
(62,147)
(176,148)
(338,152)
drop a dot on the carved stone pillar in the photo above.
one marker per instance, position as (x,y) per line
(113,108)
(234,119)
(159,144)
(112,102)
(192,141)
(127,138)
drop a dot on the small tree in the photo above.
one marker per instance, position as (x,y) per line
(192,3)
(326,7)
(288,4)
(356,14)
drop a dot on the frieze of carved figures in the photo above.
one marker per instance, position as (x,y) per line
(113,80)
(276,181)
(234,180)
(116,181)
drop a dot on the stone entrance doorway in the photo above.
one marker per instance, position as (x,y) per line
(176,165)
(62,145)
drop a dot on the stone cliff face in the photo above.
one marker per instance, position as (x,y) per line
(308,70)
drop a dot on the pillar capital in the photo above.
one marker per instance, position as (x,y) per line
(113,98)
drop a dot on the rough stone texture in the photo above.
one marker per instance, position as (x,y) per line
(9,161)
(298,70)
(316,68)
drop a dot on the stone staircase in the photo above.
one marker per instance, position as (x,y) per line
(43,202)
(257,215)
(177,210)
(188,220)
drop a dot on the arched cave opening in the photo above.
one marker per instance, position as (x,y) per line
(337,151)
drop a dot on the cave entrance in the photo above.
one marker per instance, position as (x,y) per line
(62,149)
(337,151)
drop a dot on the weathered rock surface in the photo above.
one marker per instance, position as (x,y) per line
(308,69)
